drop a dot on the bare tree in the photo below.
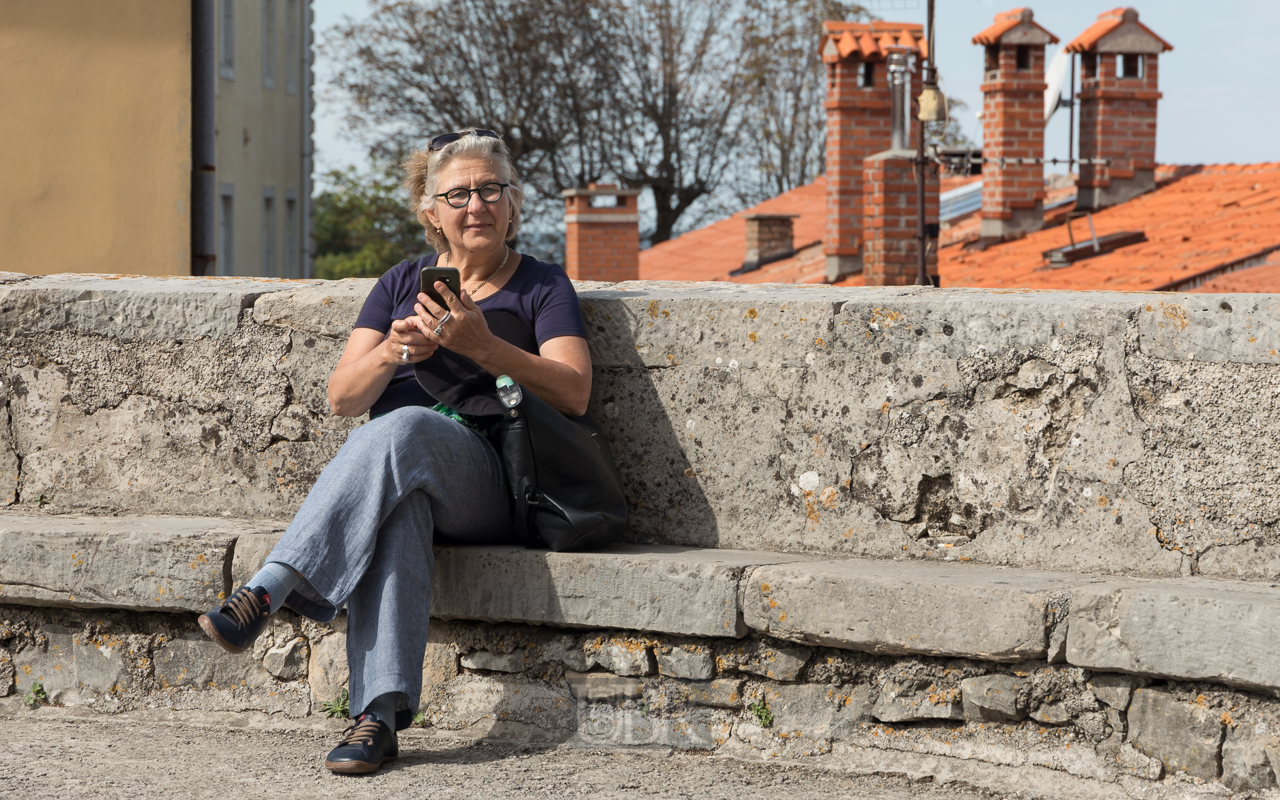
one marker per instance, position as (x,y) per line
(785,127)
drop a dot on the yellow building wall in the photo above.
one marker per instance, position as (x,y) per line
(95,141)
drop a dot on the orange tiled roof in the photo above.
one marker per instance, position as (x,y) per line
(1262,278)
(869,40)
(1008,21)
(1107,22)
(711,253)
(1196,224)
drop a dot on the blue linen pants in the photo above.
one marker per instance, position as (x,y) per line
(364,537)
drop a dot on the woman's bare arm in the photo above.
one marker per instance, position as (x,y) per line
(369,362)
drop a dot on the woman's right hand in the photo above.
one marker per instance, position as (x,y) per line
(404,334)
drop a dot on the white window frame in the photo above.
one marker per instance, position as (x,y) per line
(227,40)
(292,235)
(270,241)
(269,49)
(226,229)
(293,45)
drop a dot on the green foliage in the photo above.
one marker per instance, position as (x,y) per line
(420,720)
(762,714)
(36,696)
(337,708)
(363,225)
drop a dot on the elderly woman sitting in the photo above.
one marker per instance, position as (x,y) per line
(418,471)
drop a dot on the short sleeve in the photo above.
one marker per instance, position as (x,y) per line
(558,313)
(380,304)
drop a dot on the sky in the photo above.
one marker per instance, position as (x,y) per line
(1220,101)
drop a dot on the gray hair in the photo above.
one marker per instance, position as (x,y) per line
(422,179)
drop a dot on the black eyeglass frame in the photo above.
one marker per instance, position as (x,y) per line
(445,139)
(502,189)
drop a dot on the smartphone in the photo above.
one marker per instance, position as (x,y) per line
(447,275)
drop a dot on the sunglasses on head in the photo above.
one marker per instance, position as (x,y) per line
(444,140)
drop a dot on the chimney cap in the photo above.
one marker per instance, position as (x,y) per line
(600,190)
(1118,31)
(867,41)
(1017,26)
(770,216)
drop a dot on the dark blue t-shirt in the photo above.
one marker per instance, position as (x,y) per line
(539,295)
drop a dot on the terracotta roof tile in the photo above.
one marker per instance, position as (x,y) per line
(1194,225)
(1008,21)
(712,252)
(1107,22)
(868,40)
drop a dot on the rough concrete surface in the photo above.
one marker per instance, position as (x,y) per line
(194,755)
(1112,433)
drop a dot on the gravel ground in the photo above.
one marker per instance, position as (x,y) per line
(67,753)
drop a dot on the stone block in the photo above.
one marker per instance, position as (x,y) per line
(202,664)
(495,662)
(1189,629)
(1246,766)
(697,729)
(1051,714)
(564,649)
(140,563)
(327,671)
(772,745)
(909,703)
(503,706)
(327,308)
(906,607)
(632,587)
(1184,736)
(817,711)
(131,308)
(1115,690)
(691,662)
(440,661)
(601,687)
(630,657)
(73,668)
(719,693)
(991,698)
(250,554)
(1119,725)
(288,662)
(772,660)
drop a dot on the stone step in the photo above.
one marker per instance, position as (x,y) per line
(1181,628)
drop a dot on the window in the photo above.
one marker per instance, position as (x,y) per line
(866,74)
(993,57)
(292,46)
(1129,65)
(227,45)
(1089,65)
(1024,56)
(226,230)
(292,268)
(270,268)
(269,44)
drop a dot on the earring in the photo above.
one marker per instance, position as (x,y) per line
(439,232)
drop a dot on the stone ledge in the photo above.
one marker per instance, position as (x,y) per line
(1181,628)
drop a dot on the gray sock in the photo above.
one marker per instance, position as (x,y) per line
(383,708)
(278,580)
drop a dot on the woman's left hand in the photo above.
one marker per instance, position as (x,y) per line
(464,332)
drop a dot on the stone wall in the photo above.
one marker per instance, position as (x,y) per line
(1108,433)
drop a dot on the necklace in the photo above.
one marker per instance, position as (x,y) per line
(485,282)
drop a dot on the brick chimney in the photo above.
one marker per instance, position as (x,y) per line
(1118,94)
(889,254)
(1013,124)
(859,124)
(601,233)
(769,239)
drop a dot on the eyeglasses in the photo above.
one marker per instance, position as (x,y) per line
(445,139)
(461,198)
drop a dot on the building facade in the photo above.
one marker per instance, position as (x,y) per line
(107,107)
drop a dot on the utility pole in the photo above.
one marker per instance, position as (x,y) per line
(933,108)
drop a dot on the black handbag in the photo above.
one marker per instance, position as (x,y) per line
(565,490)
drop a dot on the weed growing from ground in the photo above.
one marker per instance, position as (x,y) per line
(762,714)
(338,707)
(36,696)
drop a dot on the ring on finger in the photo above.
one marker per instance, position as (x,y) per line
(447,316)
(404,352)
